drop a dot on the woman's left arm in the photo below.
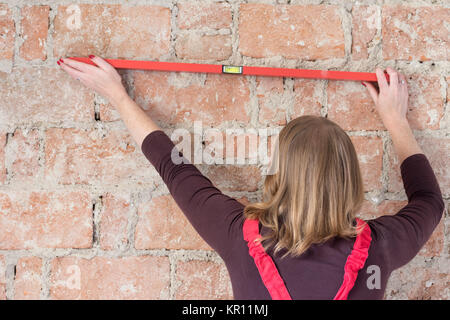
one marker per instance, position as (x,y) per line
(210,212)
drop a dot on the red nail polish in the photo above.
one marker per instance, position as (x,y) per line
(61,60)
(363,84)
(91,56)
(59,63)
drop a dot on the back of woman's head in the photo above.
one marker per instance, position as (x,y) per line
(316,190)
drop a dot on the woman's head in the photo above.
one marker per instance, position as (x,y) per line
(316,190)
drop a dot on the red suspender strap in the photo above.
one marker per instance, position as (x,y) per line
(266,267)
(355,260)
(272,279)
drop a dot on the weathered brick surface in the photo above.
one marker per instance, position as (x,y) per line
(350,106)
(197,15)
(203,47)
(415,33)
(112,31)
(22,156)
(370,155)
(26,100)
(113,228)
(416,281)
(365,20)
(202,280)
(7,32)
(28,279)
(76,156)
(267,30)
(34,32)
(2,157)
(161,224)
(269,91)
(39,219)
(143,277)
(183,97)
(78,199)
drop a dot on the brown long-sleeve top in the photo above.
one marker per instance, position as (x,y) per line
(318,273)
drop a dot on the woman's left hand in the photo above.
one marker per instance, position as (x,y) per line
(104,79)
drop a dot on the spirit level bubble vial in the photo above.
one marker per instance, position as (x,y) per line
(232,69)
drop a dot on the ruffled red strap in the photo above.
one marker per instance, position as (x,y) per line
(355,260)
(266,267)
(272,279)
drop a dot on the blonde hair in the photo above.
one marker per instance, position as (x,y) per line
(316,191)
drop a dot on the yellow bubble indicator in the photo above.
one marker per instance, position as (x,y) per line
(232,69)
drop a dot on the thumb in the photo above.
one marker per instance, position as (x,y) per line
(372,91)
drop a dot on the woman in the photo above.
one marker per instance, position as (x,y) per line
(303,241)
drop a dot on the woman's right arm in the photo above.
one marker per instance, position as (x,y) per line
(404,233)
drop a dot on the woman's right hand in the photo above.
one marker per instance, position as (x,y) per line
(391,101)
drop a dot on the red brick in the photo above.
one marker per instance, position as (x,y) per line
(364,30)
(370,156)
(34,32)
(2,157)
(25,99)
(182,97)
(371,210)
(426,106)
(415,282)
(292,31)
(202,280)
(437,152)
(7,32)
(203,47)
(272,107)
(415,33)
(114,218)
(194,15)
(2,278)
(143,277)
(22,155)
(28,279)
(112,31)
(162,224)
(351,106)
(307,95)
(235,178)
(38,219)
(90,157)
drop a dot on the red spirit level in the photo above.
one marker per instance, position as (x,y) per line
(244,70)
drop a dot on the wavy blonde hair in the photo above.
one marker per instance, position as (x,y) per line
(316,191)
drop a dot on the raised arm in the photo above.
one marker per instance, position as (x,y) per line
(404,233)
(210,211)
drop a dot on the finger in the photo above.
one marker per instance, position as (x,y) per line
(102,63)
(403,85)
(393,77)
(84,67)
(76,74)
(372,91)
(382,82)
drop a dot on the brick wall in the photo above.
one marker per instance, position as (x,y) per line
(82,212)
